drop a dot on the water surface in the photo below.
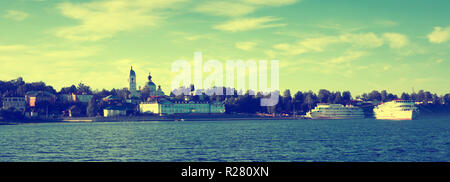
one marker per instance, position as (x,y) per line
(426,139)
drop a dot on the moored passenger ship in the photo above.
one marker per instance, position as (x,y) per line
(336,111)
(396,110)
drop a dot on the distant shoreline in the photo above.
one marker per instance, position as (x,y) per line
(170,118)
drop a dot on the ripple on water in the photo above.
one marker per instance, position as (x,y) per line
(323,140)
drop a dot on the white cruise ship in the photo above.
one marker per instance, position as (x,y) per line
(335,111)
(396,110)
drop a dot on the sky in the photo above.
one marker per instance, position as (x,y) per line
(346,45)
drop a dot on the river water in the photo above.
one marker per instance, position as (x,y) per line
(425,139)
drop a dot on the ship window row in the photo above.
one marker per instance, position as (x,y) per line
(339,108)
(332,108)
(338,111)
(402,101)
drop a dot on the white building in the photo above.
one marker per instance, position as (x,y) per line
(114,111)
(159,105)
(167,107)
(17,103)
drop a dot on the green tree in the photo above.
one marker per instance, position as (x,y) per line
(91,109)
(287,102)
(428,96)
(347,97)
(83,89)
(384,96)
(323,95)
(391,97)
(310,100)
(365,96)
(405,96)
(145,92)
(421,96)
(446,99)
(68,90)
(414,97)
(298,102)
(331,98)
(337,98)
(375,95)
(123,93)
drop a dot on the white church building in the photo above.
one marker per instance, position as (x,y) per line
(157,103)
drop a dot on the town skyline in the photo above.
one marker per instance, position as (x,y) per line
(339,46)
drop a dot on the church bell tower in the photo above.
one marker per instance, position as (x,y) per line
(132,80)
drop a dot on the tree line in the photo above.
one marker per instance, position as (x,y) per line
(300,102)
(237,102)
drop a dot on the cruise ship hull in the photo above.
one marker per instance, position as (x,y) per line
(333,116)
(398,115)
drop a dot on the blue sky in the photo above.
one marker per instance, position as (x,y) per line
(355,45)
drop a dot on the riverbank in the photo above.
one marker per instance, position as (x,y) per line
(214,117)
(169,118)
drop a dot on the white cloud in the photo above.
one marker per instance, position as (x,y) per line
(245,24)
(103,19)
(233,9)
(271,2)
(246,46)
(238,8)
(53,53)
(396,40)
(439,35)
(16,15)
(12,47)
(178,37)
(319,44)
(386,23)
(289,49)
(72,53)
(364,40)
(343,28)
(270,53)
(362,67)
(348,57)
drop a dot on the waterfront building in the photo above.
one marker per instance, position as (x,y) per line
(158,103)
(114,111)
(17,103)
(74,111)
(166,107)
(33,98)
(111,99)
(83,98)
